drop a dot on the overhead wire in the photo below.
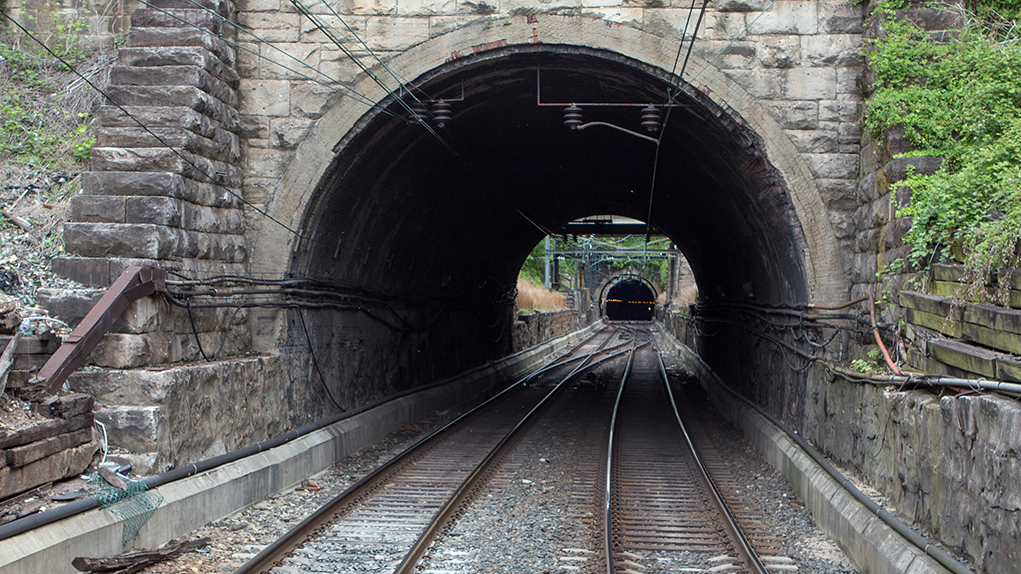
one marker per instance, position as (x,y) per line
(187,160)
(671,96)
(323,27)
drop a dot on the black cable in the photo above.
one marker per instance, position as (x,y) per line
(144,127)
(191,319)
(226,332)
(312,352)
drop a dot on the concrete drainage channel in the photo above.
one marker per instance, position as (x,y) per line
(866,537)
(208,496)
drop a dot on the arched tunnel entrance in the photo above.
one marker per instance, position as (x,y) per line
(435,224)
(629,299)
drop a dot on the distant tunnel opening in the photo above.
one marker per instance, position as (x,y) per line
(630,300)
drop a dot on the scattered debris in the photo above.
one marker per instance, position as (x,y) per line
(309,486)
(137,561)
(112,478)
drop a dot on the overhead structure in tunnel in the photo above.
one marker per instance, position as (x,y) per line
(629,298)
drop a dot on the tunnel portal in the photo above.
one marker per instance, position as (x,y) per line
(437,221)
(630,299)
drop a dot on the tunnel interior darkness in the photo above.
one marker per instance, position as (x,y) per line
(441,227)
(630,300)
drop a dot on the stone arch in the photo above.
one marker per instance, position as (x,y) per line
(271,246)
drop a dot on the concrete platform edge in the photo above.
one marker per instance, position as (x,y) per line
(195,501)
(871,544)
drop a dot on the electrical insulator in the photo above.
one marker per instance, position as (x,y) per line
(650,118)
(441,113)
(572,116)
(418,112)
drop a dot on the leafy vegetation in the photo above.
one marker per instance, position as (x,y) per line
(45,109)
(958,99)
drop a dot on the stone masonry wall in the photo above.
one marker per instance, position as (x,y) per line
(535,328)
(164,187)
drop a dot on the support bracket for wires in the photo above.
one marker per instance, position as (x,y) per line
(135,282)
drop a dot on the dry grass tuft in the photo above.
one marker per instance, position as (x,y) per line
(532,297)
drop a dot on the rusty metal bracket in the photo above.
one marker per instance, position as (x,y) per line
(134,283)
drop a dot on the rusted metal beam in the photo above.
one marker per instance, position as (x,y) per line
(133,284)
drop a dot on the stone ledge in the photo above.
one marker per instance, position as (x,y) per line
(173,75)
(223,146)
(103,271)
(160,184)
(161,37)
(180,162)
(144,17)
(171,96)
(151,241)
(987,325)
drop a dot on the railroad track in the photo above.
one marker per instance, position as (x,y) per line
(422,512)
(385,521)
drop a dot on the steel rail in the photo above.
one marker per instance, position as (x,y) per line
(611,567)
(744,548)
(461,496)
(307,529)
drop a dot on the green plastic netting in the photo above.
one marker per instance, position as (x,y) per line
(133,506)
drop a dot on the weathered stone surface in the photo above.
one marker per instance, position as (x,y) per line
(155,184)
(224,8)
(270,98)
(139,429)
(790,17)
(780,51)
(157,117)
(58,466)
(212,220)
(833,50)
(168,160)
(154,210)
(119,240)
(809,84)
(174,76)
(272,27)
(389,33)
(794,115)
(742,5)
(310,100)
(814,141)
(171,96)
(20,456)
(370,6)
(841,18)
(97,209)
(227,149)
(181,56)
(897,170)
(157,37)
(834,165)
(144,17)
(288,133)
(425,7)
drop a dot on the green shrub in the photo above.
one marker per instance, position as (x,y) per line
(960,100)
